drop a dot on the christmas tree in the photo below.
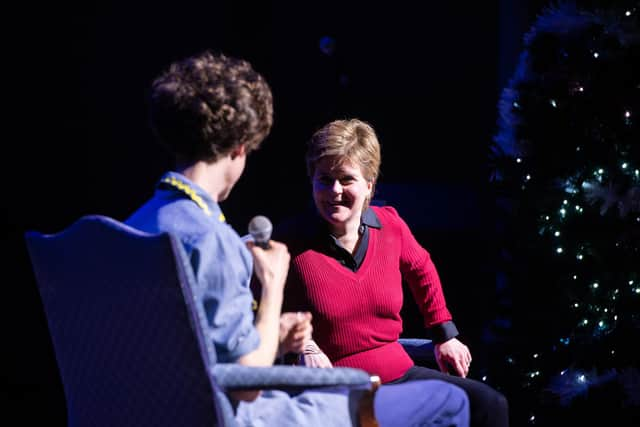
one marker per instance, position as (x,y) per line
(566,171)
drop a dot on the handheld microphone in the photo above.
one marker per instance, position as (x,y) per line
(260,229)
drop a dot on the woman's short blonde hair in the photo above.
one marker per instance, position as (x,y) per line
(342,140)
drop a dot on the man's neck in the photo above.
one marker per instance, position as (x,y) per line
(208,176)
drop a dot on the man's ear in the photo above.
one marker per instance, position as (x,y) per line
(238,150)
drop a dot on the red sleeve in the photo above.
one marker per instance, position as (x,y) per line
(419,271)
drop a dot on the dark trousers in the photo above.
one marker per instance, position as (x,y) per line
(489,407)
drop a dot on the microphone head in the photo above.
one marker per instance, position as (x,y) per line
(260,229)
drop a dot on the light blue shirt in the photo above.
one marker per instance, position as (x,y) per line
(221,262)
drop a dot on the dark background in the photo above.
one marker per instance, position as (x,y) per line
(427,77)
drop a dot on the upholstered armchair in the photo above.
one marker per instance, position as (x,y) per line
(125,331)
(421,350)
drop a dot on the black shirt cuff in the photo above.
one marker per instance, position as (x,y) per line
(443,332)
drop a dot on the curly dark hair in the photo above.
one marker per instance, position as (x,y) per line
(207,104)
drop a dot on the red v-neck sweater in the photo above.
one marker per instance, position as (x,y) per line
(356,315)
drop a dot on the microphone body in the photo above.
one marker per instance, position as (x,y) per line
(260,229)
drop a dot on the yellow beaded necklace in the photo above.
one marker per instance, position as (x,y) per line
(191,193)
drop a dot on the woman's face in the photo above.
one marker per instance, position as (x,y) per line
(340,192)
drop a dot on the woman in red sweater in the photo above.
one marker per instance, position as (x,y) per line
(347,266)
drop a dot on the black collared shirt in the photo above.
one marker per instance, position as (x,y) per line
(354,261)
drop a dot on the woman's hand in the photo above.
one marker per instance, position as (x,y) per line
(453,355)
(313,357)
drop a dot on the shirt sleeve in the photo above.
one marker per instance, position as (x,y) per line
(420,273)
(443,332)
(222,277)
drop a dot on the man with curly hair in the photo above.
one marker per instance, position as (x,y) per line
(211,111)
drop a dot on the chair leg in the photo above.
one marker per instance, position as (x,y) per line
(366,412)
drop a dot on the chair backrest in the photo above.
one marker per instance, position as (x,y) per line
(119,315)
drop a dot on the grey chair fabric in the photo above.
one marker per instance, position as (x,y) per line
(124,327)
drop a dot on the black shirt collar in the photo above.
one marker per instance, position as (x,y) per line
(370,219)
(353,262)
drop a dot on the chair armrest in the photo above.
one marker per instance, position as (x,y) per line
(231,376)
(420,350)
